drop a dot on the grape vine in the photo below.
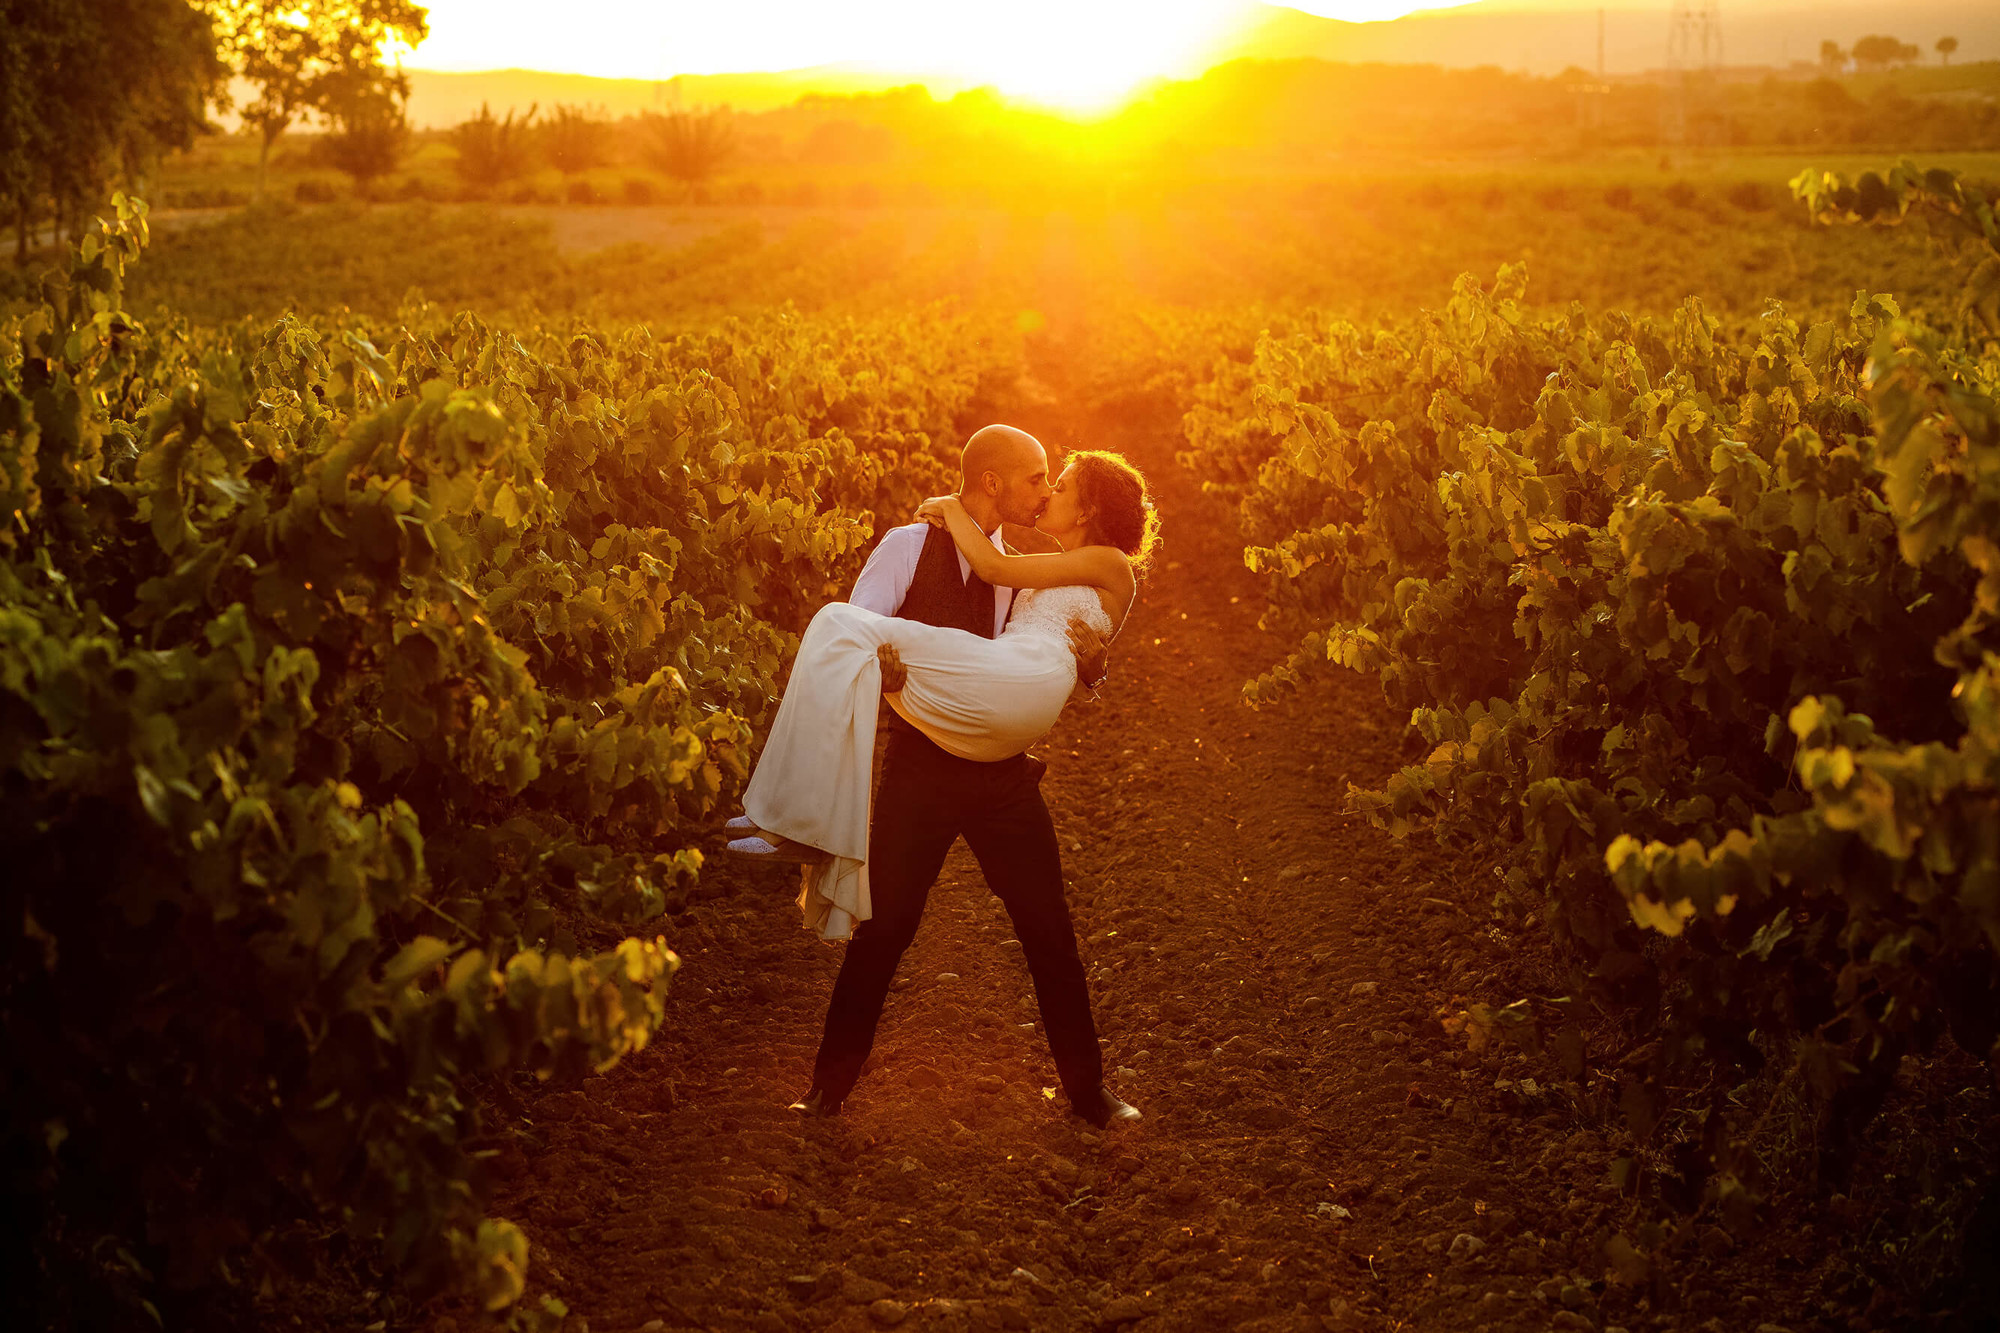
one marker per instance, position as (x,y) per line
(1696,623)
(344,667)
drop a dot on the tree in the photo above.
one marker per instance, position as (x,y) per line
(90,94)
(1945,46)
(689,146)
(298,54)
(1880,52)
(574,140)
(1831,57)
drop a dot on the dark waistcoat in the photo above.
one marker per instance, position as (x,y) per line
(938,596)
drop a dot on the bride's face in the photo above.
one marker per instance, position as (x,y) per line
(1064,514)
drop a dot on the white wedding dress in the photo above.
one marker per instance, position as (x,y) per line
(982,699)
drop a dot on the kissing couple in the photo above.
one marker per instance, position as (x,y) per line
(977,649)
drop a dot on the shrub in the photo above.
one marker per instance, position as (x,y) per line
(688,146)
(366,142)
(492,152)
(573,140)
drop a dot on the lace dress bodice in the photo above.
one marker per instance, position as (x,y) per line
(1048,611)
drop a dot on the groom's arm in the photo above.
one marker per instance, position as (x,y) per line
(884,583)
(885,579)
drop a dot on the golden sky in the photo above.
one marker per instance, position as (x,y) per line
(1081,54)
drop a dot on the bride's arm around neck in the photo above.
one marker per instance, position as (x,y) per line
(1095,566)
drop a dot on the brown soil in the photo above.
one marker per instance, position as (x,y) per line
(1268,975)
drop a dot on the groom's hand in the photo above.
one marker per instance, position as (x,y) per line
(894,677)
(1091,649)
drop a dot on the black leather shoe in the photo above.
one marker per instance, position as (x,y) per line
(817,1104)
(1109,1112)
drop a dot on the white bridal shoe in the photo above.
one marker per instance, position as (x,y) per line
(767,849)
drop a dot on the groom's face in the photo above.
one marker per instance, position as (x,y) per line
(1024,486)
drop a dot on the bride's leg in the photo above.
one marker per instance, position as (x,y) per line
(811,784)
(977,698)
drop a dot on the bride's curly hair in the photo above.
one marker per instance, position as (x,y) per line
(1122,513)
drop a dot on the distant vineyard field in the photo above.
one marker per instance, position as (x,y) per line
(1373,246)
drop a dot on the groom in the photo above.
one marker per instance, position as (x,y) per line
(928,799)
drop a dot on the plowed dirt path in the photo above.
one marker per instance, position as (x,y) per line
(1267,975)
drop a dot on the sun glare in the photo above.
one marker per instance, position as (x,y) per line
(1077,55)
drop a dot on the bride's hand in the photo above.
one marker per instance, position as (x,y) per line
(1092,651)
(933,510)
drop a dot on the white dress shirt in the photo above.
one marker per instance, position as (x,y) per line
(885,580)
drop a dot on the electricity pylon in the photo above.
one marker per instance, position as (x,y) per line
(1694,48)
(1694,36)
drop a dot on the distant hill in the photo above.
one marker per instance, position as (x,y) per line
(1536,36)
(1547,36)
(439,99)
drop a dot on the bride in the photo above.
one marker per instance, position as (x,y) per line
(977,698)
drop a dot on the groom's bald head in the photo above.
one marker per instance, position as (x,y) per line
(1000,450)
(1003,474)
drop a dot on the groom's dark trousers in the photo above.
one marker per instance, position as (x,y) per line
(926,800)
